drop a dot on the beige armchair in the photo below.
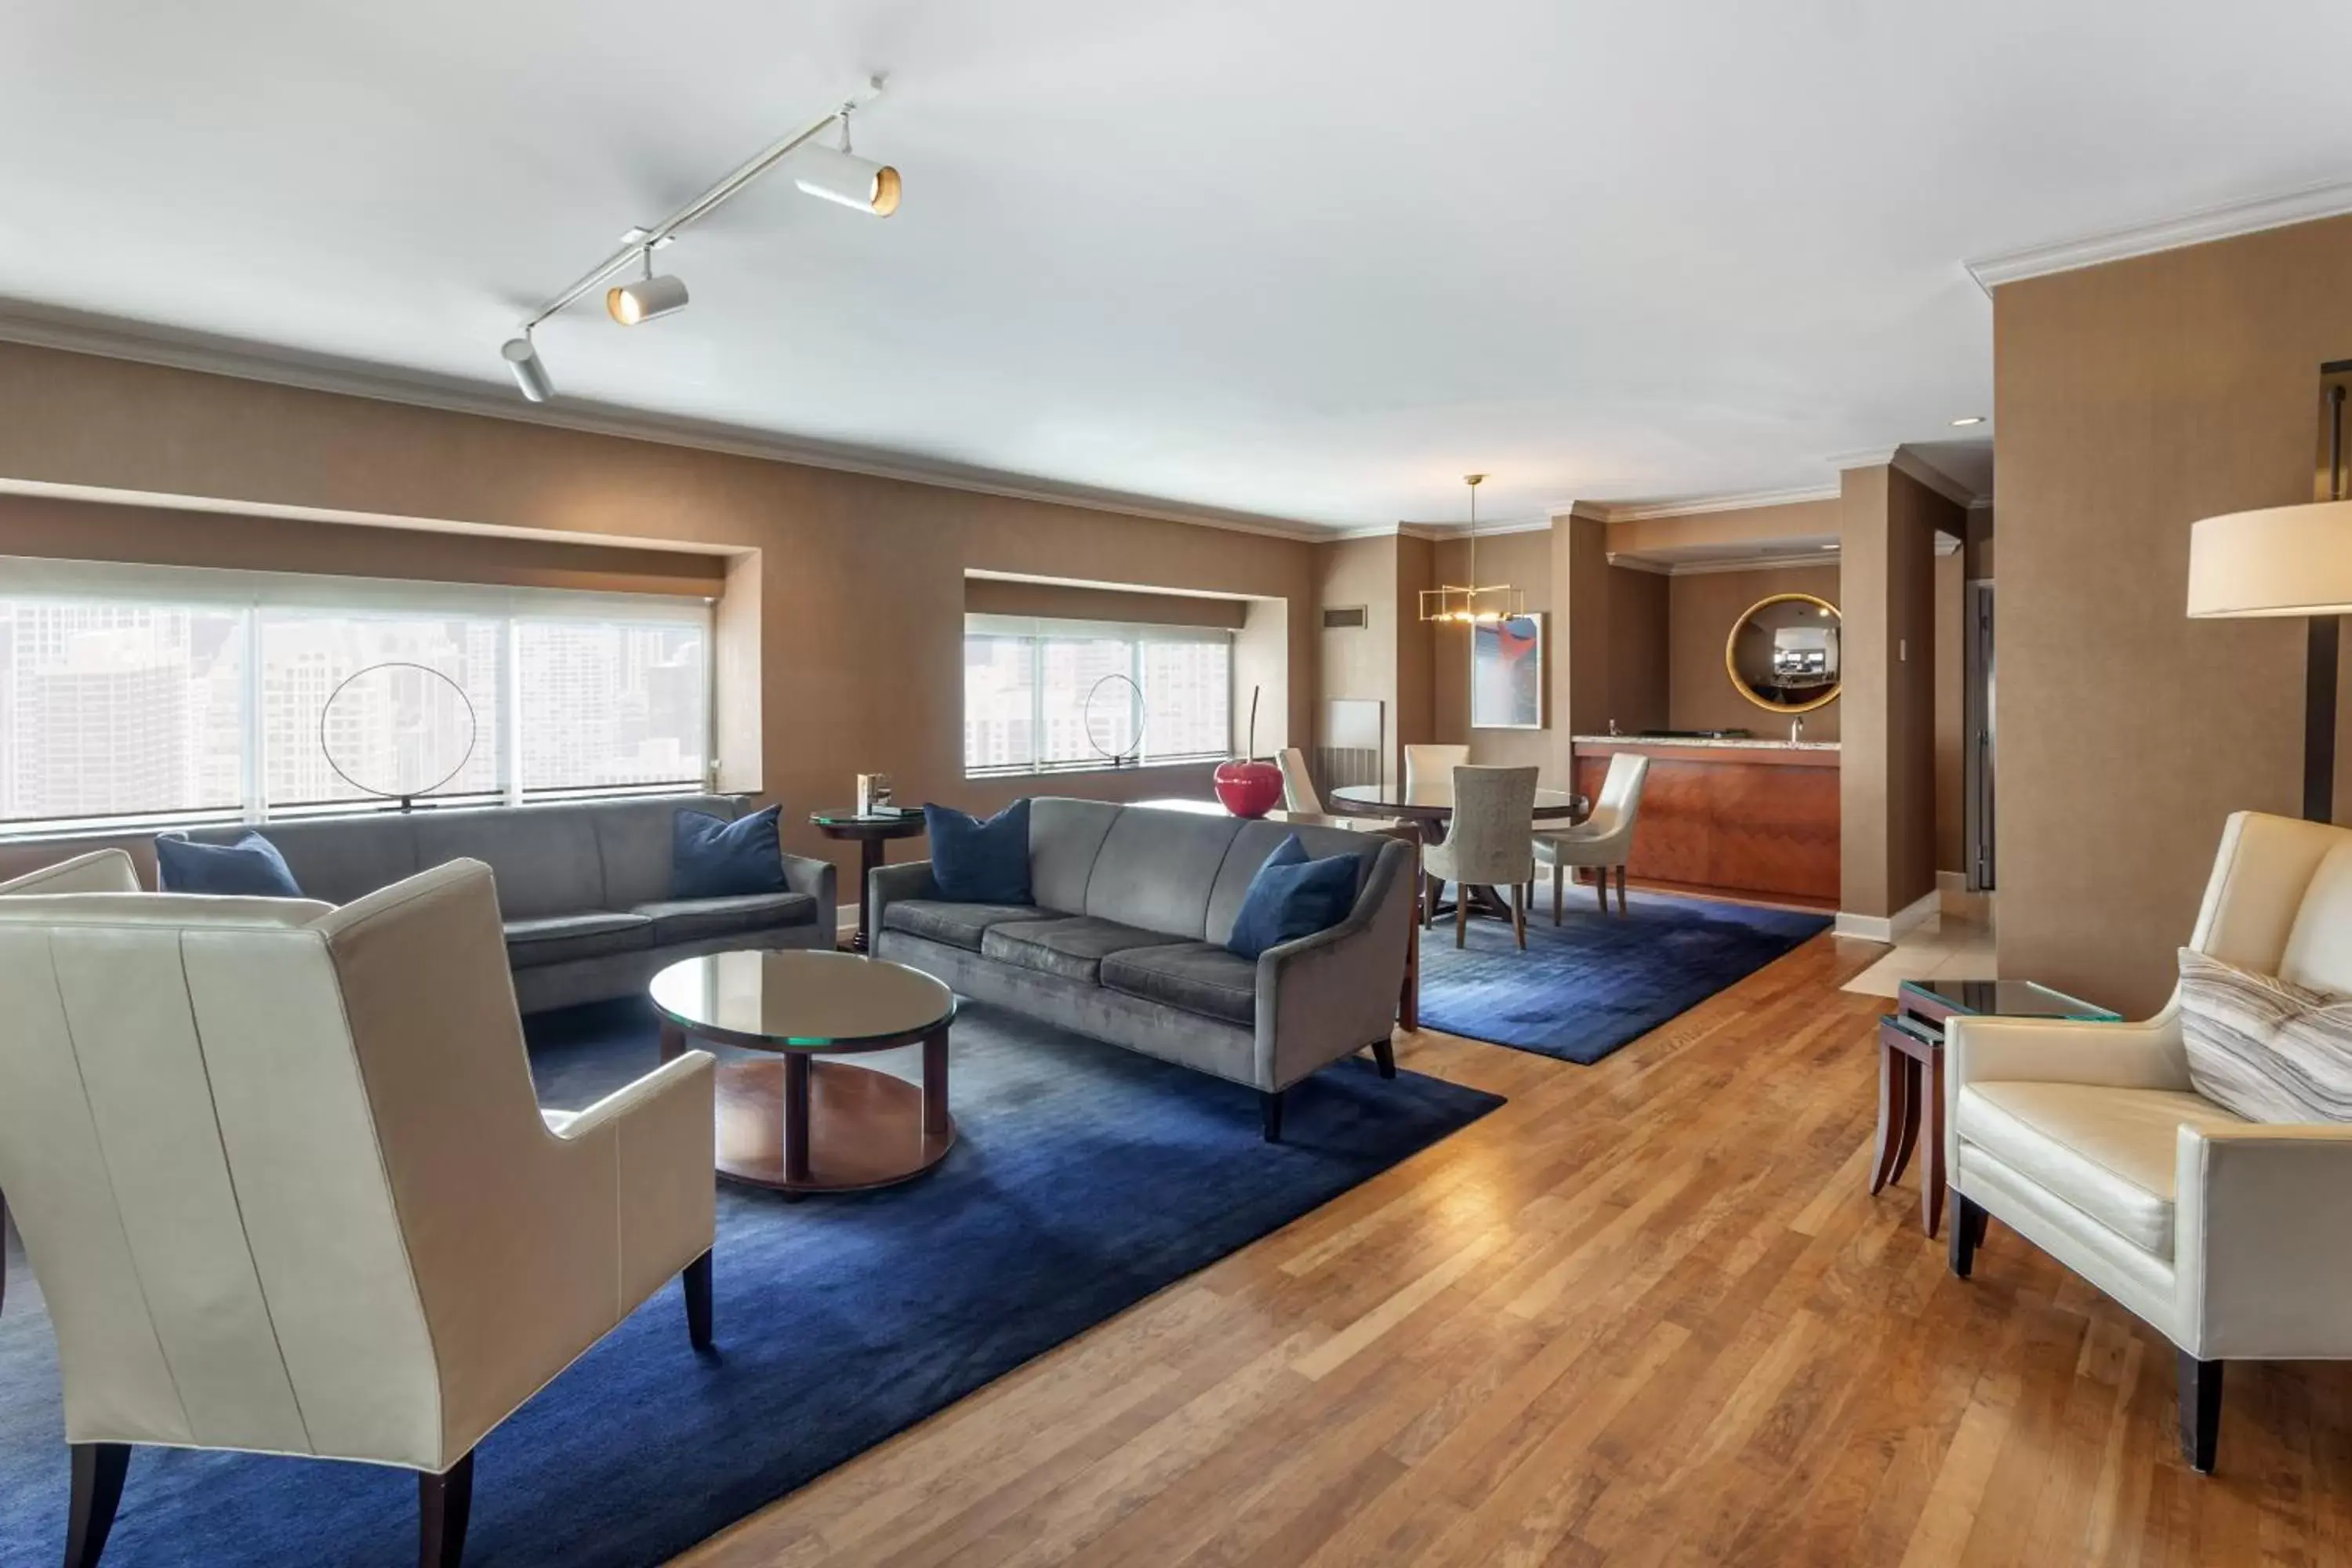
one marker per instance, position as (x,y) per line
(281,1174)
(1487,842)
(2233,1239)
(1297,787)
(1603,840)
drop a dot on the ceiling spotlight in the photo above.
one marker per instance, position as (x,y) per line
(839,175)
(522,358)
(1966,420)
(649,297)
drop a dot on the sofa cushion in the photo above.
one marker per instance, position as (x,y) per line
(957,925)
(2108,1152)
(712,858)
(543,857)
(1292,897)
(2264,1047)
(692,920)
(250,868)
(339,859)
(1156,870)
(976,862)
(1193,976)
(1072,946)
(557,939)
(634,839)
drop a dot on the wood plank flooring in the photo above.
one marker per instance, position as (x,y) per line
(1644,1314)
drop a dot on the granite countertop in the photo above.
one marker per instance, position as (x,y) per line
(1754,743)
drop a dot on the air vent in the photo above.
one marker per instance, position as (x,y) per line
(1345,618)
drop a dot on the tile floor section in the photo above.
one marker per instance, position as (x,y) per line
(1949,947)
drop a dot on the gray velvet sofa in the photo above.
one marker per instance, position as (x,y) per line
(584,890)
(1125,941)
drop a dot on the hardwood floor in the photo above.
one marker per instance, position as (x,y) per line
(1645,1313)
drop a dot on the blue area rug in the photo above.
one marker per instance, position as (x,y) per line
(1085,1178)
(1595,982)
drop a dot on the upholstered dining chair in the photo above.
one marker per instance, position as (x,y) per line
(282,1176)
(2231,1239)
(1298,787)
(1603,840)
(1487,842)
(1436,762)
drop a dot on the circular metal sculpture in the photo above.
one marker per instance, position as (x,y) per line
(1782,653)
(1106,710)
(397,730)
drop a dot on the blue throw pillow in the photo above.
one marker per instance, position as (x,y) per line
(711,857)
(976,862)
(1291,897)
(251,867)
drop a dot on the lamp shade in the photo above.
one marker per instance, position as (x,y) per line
(2281,561)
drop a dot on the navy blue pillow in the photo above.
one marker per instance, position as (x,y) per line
(711,857)
(976,862)
(250,867)
(1291,897)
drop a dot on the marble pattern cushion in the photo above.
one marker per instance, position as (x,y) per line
(2266,1047)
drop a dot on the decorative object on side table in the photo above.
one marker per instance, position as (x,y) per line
(873,825)
(1911,1067)
(873,794)
(1249,785)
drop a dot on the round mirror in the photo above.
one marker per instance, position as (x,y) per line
(1783,653)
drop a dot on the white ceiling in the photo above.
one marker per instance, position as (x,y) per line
(1309,261)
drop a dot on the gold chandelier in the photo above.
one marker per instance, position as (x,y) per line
(1469,604)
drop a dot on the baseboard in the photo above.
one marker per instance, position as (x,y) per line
(1888,928)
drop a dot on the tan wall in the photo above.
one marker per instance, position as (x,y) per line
(1641,650)
(1742,525)
(1952,727)
(1359,663)
(1915,515)
(1416,715)
(859,583)
(2132,399)
(1061,601)
(1702,608)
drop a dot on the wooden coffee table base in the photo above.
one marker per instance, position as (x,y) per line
(798,1125)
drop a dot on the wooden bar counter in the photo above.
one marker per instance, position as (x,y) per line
(1752,817)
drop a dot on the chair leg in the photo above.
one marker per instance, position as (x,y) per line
(1461,914)
(1269,1111)
(1519,914)
(1601,887)
(1967,1228)
(698,1302)
(1621,889)
(1558,876)
(1433,888)
(1384,1057)
(97,1472)
(2200,1411)
(445,1504)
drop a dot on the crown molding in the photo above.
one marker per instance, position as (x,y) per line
(1751,563)
(2207,223)
(174,348)
(1641,564)
(1907,461)
(1867,457)
(1437,534)
(1744,501)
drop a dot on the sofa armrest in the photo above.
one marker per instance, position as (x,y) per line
(818,879)
(1322,996)
(660,1133)
(2262,1241)
(907,880)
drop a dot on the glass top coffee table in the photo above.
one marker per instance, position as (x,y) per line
(792,1117)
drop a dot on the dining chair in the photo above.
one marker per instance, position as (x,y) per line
(1432,763)
(281,1171)
(1298,788)
(1489,842)
(1603,840)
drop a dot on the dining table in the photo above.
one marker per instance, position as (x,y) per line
(1428,804)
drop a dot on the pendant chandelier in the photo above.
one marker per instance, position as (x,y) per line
(1473,603)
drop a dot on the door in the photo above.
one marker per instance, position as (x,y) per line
(1979,762)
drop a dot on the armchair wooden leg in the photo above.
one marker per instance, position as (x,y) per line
(1621,889)
(1968,1230)
(1558,877)
(698,1302)
(1601,887)
(1461,914)
(1384,1057)
(1519,914)
(1269,1110)
(2200,1411)
(97,1472)
(445,1504)
(1433,888)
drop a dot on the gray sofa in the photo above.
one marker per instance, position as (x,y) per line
(584,890)
(1125,941)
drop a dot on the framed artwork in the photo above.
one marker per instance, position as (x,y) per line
(1507,673)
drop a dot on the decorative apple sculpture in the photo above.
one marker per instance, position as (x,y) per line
(1249,787)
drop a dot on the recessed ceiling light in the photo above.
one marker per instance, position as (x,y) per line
(1966,419)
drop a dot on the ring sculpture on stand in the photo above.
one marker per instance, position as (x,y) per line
(398,729)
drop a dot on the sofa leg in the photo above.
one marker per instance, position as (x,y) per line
(97,1472)
(2200,1411)
(698,1302)
(445,1504)
(1269,1110)
(1384,1057)
(1968,1230)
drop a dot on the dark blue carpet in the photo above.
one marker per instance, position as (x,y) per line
(1596,982)
(1086,1178)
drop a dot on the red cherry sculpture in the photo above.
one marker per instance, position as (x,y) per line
(1249,788)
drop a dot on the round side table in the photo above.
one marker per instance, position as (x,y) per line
(872,833)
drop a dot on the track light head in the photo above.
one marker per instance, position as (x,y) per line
(522,358)
(845,177)
(649,297)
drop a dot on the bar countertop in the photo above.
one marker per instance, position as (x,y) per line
(1753,743)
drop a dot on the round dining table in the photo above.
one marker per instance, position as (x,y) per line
(1429,804)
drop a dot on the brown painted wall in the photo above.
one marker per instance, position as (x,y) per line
(1702,608)
(2132,399)
(1915,515)
(1359,662)
(1641,650)
(858,582)
(1416,715)
(1060,601)
(1951,730)
(1742,525)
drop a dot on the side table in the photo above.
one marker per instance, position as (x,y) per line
(1911,1067)
(872,832)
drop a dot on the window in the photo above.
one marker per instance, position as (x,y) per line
(1046,696)
(207,696)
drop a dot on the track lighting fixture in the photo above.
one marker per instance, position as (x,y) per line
(837,175)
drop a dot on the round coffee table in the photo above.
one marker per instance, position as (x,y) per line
(787,1119)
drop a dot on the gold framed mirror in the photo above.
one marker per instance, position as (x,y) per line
(1782,653)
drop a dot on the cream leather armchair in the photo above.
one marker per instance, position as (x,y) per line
(2231,1239)
(1602,840)
(281,1174)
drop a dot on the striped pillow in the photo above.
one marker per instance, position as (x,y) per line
(2267,1048)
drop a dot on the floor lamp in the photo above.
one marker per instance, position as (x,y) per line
(2289,561)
